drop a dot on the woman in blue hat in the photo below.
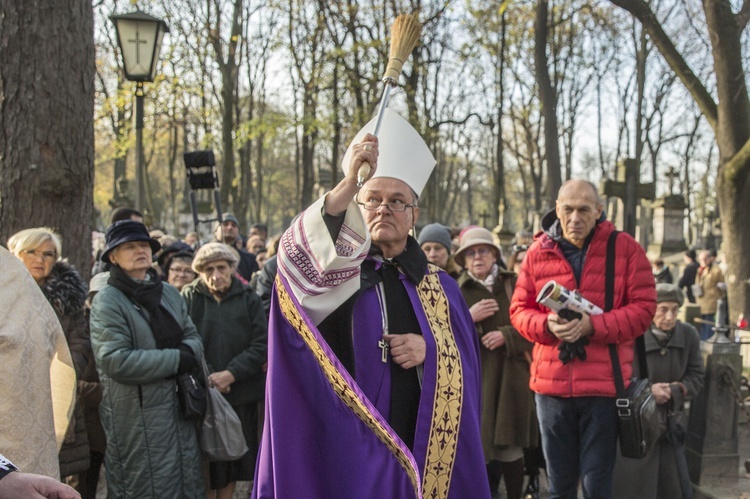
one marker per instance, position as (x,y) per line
(142,339)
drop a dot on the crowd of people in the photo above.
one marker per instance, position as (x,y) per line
(358,356)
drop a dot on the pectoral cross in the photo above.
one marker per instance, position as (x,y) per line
(383,350)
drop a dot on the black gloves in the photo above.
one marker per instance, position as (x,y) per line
(188,362)
(568,351)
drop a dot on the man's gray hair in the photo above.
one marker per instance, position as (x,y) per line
(593,186)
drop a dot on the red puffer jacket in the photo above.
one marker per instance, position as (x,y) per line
(633,310)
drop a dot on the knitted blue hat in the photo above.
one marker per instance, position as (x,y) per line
(435,233)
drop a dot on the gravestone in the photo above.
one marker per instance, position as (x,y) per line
(667,226)
(711,237)
(502,231)
(504,238)
(712,446)
(630,191)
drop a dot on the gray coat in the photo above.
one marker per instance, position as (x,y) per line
(152,452)
(656,475)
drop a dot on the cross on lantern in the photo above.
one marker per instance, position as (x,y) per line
(138,42)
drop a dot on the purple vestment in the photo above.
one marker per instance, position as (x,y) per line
(324,434)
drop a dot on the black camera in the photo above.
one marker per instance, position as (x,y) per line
(201,171)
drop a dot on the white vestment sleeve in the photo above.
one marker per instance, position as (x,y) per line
(322,273)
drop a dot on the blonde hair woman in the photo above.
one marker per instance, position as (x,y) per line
(39,249)
(34,353)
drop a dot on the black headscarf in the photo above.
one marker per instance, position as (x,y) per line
(166,330)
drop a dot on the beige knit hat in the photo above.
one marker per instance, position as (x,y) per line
(474,236)
(212,252)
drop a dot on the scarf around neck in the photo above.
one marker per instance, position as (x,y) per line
(166,330)
(489,281)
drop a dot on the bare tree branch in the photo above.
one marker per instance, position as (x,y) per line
(641,11)
(743,16)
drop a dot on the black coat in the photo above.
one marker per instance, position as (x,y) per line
(235,336)
(66,291)
(688,279)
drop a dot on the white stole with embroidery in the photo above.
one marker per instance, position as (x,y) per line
(322,273)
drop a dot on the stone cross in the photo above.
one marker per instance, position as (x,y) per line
(628,188)
(672,174)
(484,216)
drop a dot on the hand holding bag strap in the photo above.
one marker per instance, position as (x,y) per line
(609,299)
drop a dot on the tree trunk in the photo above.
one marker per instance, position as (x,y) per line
(730,120)
(46,121)
(503,213)
(309,140)
(641,56)
(227,138)
(733,139)
(548,98)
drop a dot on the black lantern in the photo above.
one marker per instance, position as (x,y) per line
(139,36)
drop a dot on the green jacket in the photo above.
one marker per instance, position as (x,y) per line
(235,336)
(152,452)
(508,412)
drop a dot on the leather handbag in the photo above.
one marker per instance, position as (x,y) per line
(639,426)
(638,419)
(192,397)
(220,435)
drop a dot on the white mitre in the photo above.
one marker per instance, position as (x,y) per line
(403,154)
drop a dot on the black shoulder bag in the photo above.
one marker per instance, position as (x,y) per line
(637,413)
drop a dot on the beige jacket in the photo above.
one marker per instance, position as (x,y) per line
(707,279)
(38,380)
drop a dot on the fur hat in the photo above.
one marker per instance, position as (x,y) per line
(435,233)
(212,252)
(126,231)
(474,236)
(669,292)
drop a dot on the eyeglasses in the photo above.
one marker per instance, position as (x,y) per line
(517,248)
(44,255)
(394,206)
(477,252)
(177,270)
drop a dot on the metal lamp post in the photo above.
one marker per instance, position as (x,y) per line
(139,36)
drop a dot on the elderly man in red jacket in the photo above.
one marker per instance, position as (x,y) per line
(575,395)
